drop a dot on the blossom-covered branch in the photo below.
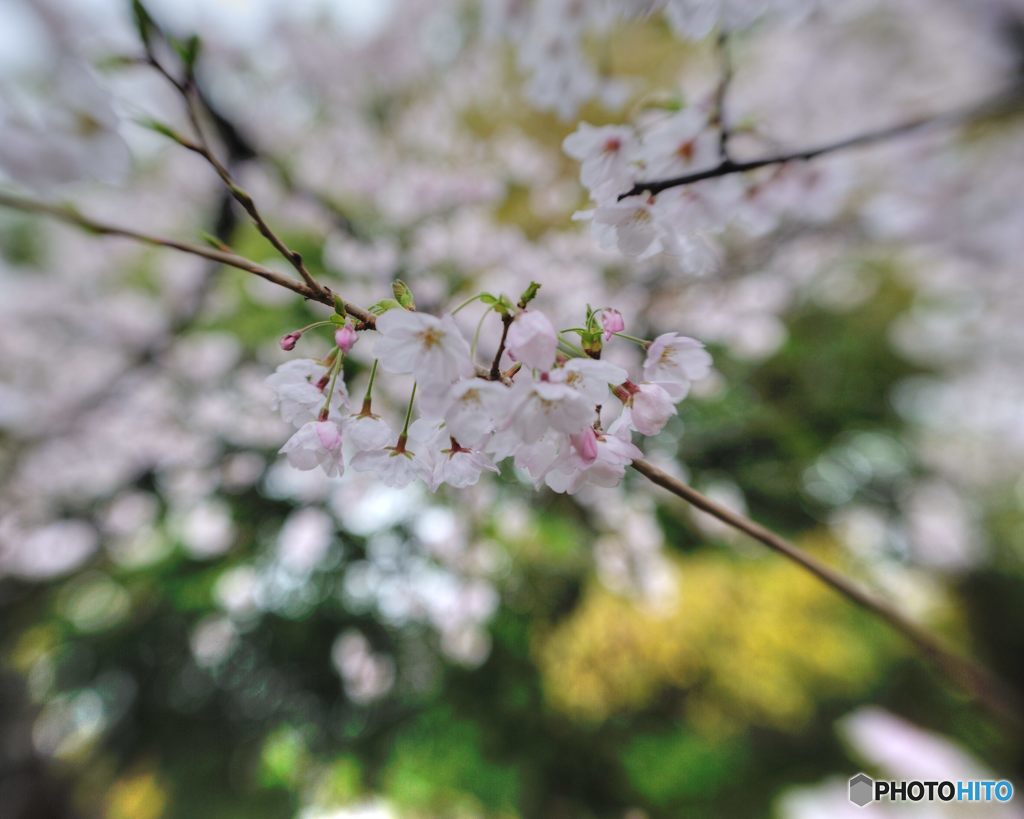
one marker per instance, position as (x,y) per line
(547,417)
(997,104)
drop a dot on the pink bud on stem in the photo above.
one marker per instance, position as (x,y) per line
(612,322)
(345,338)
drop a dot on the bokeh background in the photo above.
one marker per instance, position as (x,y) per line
(189,628)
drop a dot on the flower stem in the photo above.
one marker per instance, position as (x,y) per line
(408,413)
(467,302)
(312,326)
(641,341)
(368,398)
(476,335)
(335,369)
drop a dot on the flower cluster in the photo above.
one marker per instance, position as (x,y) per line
(551,38)
(556,409)
(682,223)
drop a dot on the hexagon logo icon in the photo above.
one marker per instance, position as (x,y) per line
(862,790)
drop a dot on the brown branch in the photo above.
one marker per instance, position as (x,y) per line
(194,102)
(319,293)
(721,92)
(495,373)
(972,678)
(1004,102)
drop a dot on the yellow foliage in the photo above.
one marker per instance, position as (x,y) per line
(750,641)
(136,797)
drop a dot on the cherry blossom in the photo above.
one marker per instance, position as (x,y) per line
(614,452)
(540,405)
(650,407)
(460,467)
(590,377)
(472,408)
(394,465)
(532,340)
(673,362)
(317,443)
(677,144)
(432,348)
(367,432)
(606,155)
(299,391)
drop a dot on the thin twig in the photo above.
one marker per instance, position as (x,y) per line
(998,103)
(495,373)
(186,87)
(71,216)
(718,116)
(978,682)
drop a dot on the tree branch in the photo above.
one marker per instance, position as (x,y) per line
(71,216)
(194,102)
(495,371)
(1003,102)
(721,93)
(978,682)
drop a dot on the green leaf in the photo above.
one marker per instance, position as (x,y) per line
(188,50)
(161,128)
(144,23)
(214,242)
(529,294)
(383,306)
(403,295)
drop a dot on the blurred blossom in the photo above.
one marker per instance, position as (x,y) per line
(68,724)
(304,540)
(212,640)
(206,529)
(93,602)
(367,676)
(899,750)
(52,550)
(236,591)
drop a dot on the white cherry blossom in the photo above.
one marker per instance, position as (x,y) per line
(607,155)
(532,340)
(590,377)
(674,362)
(650,407)
(473,407)
(317,443)
(299,391)
(432,348)
(367,432)
(537,406)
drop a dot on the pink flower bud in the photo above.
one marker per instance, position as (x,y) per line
(345,338)
(585,444)
(612,322)
(288,341)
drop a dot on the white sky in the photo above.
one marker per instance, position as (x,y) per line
(240,21)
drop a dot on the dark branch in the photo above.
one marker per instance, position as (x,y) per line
(495,373)
(721,93)
(1001,103)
